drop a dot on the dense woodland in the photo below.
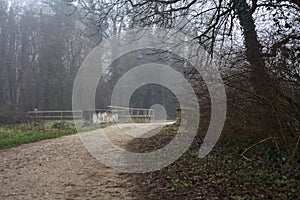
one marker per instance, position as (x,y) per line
(43,43)
(256,44)
(41,50)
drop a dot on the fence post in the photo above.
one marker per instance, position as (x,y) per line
(35,115)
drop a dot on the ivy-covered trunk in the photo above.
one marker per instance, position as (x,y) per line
(259,77)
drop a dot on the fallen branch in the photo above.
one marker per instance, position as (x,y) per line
(242,154)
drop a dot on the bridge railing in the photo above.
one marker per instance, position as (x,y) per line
(134,114)
(121,115)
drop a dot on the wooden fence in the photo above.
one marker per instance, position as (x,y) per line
(56,115)
(97,116)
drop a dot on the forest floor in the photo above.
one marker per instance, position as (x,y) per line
(266,171)
(62,168)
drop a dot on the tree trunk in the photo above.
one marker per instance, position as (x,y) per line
(259,77)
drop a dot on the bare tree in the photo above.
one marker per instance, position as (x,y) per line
(259,39)
(211,21)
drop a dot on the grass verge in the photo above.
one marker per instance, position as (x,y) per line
(24,137)
(14,135)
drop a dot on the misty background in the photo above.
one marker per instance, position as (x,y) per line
(255,44)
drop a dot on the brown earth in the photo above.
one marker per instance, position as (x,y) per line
(58,169)
(62,168)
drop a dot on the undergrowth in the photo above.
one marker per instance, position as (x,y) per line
(264,172)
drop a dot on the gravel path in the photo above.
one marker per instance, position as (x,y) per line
(60,168)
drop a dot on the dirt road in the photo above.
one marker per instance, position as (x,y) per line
(60,168)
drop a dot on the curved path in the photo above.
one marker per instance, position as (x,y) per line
(62,168)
